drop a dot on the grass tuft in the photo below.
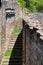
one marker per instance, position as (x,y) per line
(16,32)
(8,52)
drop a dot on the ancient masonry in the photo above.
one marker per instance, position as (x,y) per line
(4,5)
(32,41)
(32,35)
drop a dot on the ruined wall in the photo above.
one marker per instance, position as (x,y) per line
(2,28)
(8,3)
(32,46)
(5,4)
(2,32)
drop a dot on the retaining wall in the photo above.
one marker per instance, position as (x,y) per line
(32,46)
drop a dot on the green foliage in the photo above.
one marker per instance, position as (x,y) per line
(31,5)
(16,32)
(21,3)
(8,52)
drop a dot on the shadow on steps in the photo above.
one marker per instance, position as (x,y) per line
(16,56)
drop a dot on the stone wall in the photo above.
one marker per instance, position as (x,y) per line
(4,5)
(32,46)
(2,31)
(2,28)
(8,4)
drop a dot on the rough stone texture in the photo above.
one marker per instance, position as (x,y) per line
(0,28)
(32,33)
(3,31)
(35,21)
(32,46)
(5,4)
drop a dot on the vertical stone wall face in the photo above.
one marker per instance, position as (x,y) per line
(32,46)
(0,28)
(9,3)
(24,45)
(27,34)
(3,27)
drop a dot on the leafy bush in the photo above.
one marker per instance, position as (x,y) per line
(32,5)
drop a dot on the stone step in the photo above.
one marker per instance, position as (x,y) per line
(11,47)
(11,44)
(12,64)
(15,48)
(15,61)
(13,40)
(6,59)
(14,36)
(5,63)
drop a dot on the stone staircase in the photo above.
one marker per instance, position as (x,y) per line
(12,41)
(16,56)
(10,46)
(15,45)
(5,60)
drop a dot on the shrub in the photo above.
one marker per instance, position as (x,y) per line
(32,5)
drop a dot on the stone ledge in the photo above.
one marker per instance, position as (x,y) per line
(34,23)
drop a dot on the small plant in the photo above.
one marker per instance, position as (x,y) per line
(16,32)
(8,52)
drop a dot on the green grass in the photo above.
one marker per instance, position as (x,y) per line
(8,52)
(16,31)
